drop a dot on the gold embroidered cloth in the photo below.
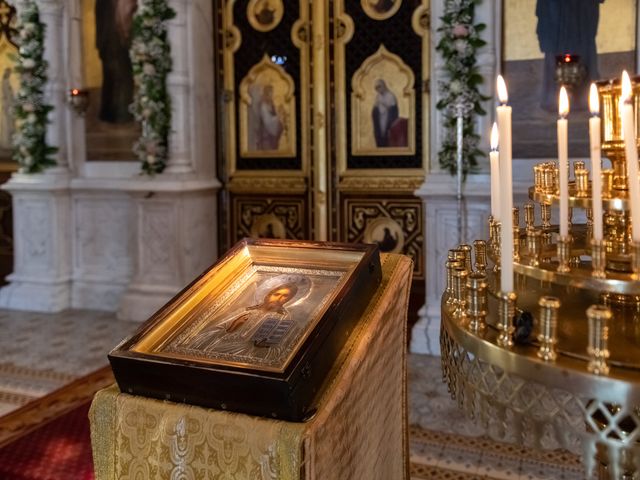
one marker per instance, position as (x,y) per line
(359,432)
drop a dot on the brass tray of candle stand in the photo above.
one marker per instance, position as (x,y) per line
(257,332)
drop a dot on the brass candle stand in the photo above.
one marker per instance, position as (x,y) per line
(574,380)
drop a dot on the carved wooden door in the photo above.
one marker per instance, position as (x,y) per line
(323,130)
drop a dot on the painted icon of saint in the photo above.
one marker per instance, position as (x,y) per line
(7,122)
(266,120)
(259,328)
(382,6)
(389,129)
(265,13)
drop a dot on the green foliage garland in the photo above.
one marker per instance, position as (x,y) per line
(460,93)
(30,148)
(151,60)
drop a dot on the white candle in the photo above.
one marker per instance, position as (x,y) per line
(596,162)
(563,161)
(506,196)
(495,173)
(631,151)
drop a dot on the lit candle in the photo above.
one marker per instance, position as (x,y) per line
(495,173)
(596,162)
(563,161)
(629,133)
(506,196)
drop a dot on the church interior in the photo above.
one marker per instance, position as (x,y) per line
(350,240)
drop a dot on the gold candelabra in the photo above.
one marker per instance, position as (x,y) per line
(558,359)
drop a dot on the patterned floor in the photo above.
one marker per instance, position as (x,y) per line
(40,353)
(444,444)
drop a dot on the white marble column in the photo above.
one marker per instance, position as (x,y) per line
(55,94)
(179,84)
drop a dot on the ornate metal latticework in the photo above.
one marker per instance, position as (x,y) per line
(556,363)
(524,407)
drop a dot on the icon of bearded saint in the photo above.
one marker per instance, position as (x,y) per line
(260,329)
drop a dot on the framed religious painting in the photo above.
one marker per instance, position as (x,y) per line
(265,15)
(380,9)
(267,112)
(547,44)
(266,322)
(382,106)
(10,83)
(107,28)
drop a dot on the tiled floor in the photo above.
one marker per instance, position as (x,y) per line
(445,444)
(41,352)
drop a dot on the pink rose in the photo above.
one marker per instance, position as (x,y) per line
(460,31)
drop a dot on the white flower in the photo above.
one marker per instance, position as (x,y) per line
(28,107)
(28,160)
(149,69)
(151,159)
(460,45)
(455,86)
(31,118)
(28,63)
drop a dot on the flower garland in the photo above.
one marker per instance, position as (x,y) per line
(459,92)
(30,148)
(151,61)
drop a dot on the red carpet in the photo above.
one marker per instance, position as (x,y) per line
(48,439)
(59,450)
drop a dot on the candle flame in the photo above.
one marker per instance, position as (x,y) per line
(563,103)
(594,103)
(626,87)
(503,96)
(494,136)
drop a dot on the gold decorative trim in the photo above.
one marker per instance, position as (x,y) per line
(421,20)
(421,23)
(320,153)
(379,184)
(232,41)
(280,185)
(267,112)
(380,9)
(343,33)
(386,73)
(265,15)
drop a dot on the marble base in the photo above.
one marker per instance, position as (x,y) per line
(41,278)
(425,335)
(98,295)
(175,241)
(103,221)
(140,302)
(27,294)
